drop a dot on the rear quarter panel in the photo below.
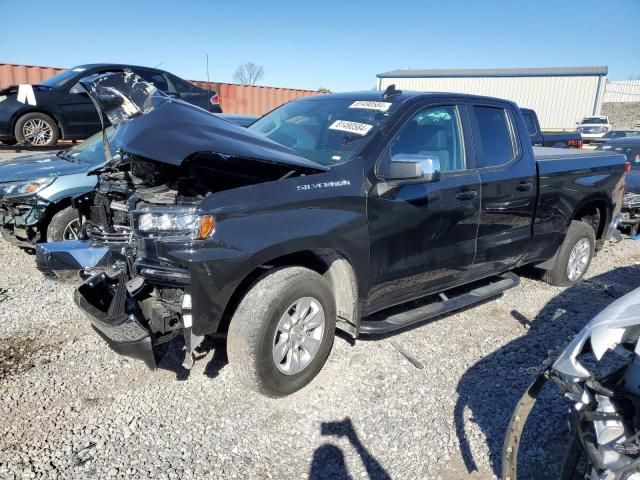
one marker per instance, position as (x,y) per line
(569,180)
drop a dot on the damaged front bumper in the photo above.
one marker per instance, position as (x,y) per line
(134,316)
(21,221)
(115,316)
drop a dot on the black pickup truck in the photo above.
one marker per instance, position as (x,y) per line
(325,213)
(540,138)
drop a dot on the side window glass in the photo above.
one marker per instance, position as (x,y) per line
(434,131)
(180,85)
(154,78)
(495,136)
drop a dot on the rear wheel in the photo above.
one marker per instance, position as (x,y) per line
(574,256)
(282,332)
(64,225)
(36,129)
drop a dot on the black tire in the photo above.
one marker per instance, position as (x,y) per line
(252,330)
(575,464)
(47,124)
(577,232)
(61,222)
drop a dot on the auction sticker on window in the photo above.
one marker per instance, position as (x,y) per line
(351,127)
(370,105)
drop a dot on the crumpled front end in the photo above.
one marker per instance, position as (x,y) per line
(115,316)
(147,210)
(599,372)
(21,220)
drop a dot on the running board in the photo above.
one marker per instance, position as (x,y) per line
(400,320)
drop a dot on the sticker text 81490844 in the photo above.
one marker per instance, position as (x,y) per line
(351,127)
(371,105)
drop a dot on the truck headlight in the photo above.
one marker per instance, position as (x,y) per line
(188,223)
(25,187)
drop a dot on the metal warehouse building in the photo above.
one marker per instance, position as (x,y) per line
(560,96)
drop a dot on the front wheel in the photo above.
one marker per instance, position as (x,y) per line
(282,332)
(574,257)
(36,129)
(64,225)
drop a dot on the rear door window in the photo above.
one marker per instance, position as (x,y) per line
(495,140)
(530,122)
(155,78)
(182,86)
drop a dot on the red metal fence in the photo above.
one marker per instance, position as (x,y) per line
(10,74)
(239,99)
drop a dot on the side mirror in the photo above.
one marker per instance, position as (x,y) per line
(414,168)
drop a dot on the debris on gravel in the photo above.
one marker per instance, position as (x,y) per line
(71,408)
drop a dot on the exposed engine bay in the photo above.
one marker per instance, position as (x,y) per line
(135,184)
(599,372)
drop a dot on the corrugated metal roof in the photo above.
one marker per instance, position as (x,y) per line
(498,72)
(239,99)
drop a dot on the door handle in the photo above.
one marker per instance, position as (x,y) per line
(524,186)
(467,195)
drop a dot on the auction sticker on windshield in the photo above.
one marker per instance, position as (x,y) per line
(370,105)
(351,127)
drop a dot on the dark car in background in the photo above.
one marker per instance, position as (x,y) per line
(541,138)
(58,108)
(630,147)
(614,134)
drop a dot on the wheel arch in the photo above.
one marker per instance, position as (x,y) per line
(21,113)
(596,211)
(55,207)
(333,265)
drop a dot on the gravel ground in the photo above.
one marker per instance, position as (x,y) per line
(70,408)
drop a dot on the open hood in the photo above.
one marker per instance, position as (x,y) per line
(155,126)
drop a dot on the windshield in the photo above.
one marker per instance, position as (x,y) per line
(62,78)
(91,150)
(592,120)
(327,131)
(632,153)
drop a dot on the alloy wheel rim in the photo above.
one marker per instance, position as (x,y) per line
(578,259)
(72,230)
(298,336)
(37,131)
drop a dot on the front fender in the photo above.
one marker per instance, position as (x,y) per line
(69,187)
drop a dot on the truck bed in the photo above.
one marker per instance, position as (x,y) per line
(580,163)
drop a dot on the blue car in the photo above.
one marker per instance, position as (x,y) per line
(630,147)
(37,191)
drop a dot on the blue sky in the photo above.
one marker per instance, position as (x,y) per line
(340,45)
